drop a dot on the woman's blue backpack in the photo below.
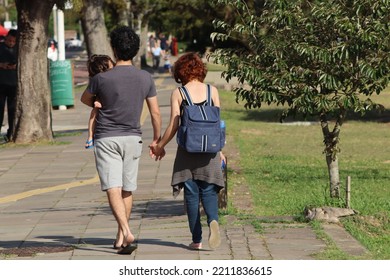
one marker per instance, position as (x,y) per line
(200,127)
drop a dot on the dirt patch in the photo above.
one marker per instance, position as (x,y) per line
(252,131)
(31,251)
(239,194)
(375,222)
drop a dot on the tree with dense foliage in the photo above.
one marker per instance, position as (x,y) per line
(318,58)
(117,12)
(187,20)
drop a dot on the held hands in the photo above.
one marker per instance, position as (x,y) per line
(156,151)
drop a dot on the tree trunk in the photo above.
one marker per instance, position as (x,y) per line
(331,140)
(143,50)
(124,15)
(33,101)
(334,177)
(138,58)
(144,39)
(94,28)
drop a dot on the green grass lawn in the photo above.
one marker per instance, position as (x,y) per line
(212,67)
(285,168)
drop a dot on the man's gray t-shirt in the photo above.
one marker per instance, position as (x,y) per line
(121,91)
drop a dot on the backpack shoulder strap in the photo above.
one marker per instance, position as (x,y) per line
(181,93)
(187,96)
(208,100)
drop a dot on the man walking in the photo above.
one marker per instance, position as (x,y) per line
(118,143)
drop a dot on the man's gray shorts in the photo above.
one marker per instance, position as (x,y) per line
(117,160)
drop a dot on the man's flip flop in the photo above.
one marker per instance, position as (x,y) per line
(89,144)
(127,250)
(115,247)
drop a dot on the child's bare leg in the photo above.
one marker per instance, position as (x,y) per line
(91,127)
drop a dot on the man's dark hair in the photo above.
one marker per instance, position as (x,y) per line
(12,32)
(124,42)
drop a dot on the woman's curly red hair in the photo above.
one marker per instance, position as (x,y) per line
(189,67)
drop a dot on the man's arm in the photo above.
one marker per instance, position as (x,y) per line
(155,115)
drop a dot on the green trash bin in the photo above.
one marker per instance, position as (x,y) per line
(61,83)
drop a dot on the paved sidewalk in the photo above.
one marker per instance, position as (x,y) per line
(51,206)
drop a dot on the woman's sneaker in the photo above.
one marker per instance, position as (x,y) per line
(195,246)
(214,235)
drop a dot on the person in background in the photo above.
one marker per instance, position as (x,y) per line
(151,45)
(163,42)
(122,92)
(157,52)
(52,52)
(96,64)
(167,62)
(8,80)
(200,174)
(174,47)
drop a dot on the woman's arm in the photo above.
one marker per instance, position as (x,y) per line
(173,125)
(215,96)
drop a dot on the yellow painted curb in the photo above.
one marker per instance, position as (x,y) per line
(16,197)
(22,195)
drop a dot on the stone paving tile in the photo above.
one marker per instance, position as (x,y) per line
(345,241)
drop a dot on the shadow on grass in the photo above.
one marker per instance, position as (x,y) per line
(273,115)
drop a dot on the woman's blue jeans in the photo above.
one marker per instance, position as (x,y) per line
(196,191)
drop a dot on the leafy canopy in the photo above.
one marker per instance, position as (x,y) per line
(318,57)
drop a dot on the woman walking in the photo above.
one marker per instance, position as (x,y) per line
(199,174)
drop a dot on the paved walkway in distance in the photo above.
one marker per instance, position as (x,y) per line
(51,206)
